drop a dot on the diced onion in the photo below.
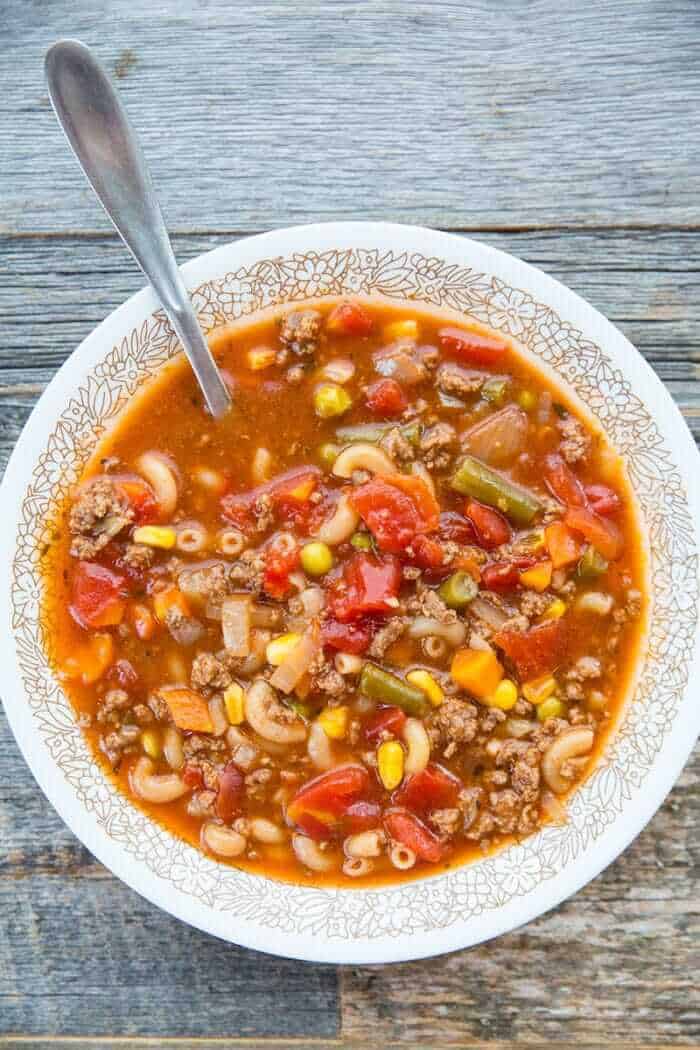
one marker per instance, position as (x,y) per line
(500,438)
(399,365)
(235,624)
(297,663)
(487,612)
(340,370)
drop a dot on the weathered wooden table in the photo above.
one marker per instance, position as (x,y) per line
(561,131)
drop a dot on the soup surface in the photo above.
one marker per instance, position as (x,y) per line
(374,622)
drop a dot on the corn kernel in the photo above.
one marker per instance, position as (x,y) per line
(555,610)
(155,536)
(331,400)
(233,702)
(407,329)
(150,742)
(504,695)
(539,577)
(428,685)
(279,648)
(551,708)
(390,763)
(539,689)
(260,357)
(334,722)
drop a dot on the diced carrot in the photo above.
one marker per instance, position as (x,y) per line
(563,546)
(603,533)
(90,661)
(142,621)
(476,670)
(189,710)
(171,598)
(539,577)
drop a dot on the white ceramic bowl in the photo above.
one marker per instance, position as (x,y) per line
(662,717)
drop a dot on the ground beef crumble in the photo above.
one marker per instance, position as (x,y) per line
(386,636)
(453,724)
(436,444)
(458,382)
(99,514)
(576,444)
(299,331)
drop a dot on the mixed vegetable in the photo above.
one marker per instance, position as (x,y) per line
(376,619)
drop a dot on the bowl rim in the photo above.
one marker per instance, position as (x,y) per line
(209,267)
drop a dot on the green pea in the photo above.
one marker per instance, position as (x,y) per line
(316,558)
(328,453)
(361,541)
(458,590)
(552,707)
(527,400)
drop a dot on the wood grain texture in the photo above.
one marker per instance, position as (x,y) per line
(558,131)
(501,115)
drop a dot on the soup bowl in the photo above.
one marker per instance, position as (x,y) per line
(609,380)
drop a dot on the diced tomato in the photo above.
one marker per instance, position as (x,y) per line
(124,674)
(361,816)
(98,596)
(193,777)
(601,532)
(368,585)
(471,347)
(230,794)
(411,832)
(537,651)
(314,828)
(349,319)
(386,398)
(432,788)
(328,796)
(492,529)
(141,498)
(562,482)
(563,545)
(346,637)
(503,576)
(602,500)
(282,556)
(395,509)
(428,554)
(454,527)
(385,719)
(288,493)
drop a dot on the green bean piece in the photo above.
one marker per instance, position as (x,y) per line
(592,564)
(304,711)
(458,590)
(494,390)
(474,478)
(388,689)
(374,432)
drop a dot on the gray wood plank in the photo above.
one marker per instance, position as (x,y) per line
(81,954)
(53,291)
(454,115)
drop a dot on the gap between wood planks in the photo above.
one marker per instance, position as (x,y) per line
(39,1042)
(545,227)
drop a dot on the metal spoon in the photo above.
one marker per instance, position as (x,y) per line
(96,126)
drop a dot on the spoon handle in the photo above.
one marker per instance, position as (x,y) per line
(96,126)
